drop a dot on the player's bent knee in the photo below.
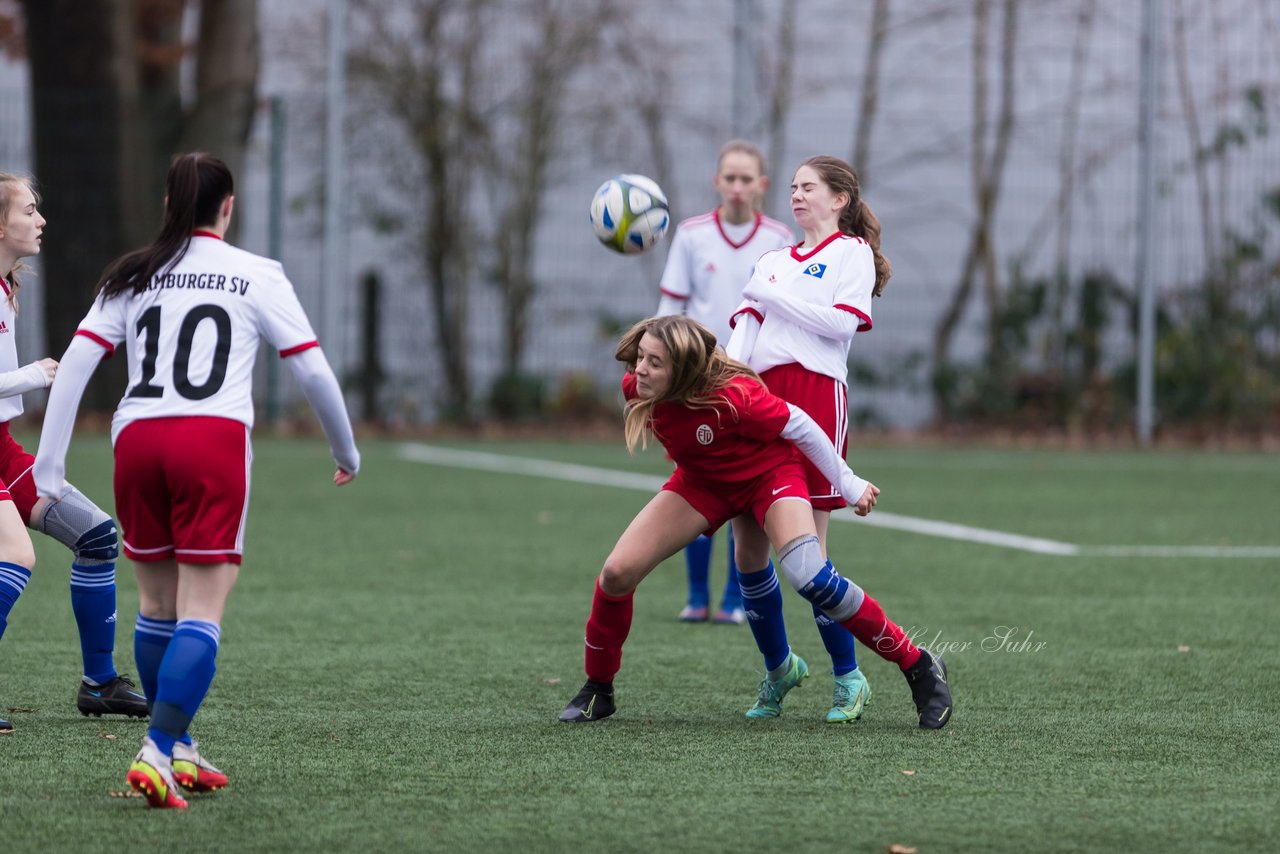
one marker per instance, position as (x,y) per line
(619,578)
(814,578)
(24,555)
(81,526)
(99,543)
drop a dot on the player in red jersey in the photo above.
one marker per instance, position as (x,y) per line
(735,449)
(799,314)
(711,259)
(192,311)
(75,521)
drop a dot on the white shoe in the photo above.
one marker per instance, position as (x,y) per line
(193,772)
(736,617)
(151,775)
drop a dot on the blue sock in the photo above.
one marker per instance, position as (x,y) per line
(732,599)
(13,580)
(697,564)
(150,640)
(839,643)
(185,676)
(762,599)
(93,601)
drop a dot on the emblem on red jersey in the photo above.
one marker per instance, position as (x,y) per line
(704,434)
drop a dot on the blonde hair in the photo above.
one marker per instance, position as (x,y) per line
(856,218)
(699,371)
(8,182)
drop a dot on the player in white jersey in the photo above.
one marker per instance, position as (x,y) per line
(798,317)
(710,261)
(75,521)
(191,311)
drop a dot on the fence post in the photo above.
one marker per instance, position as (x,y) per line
(1149,95)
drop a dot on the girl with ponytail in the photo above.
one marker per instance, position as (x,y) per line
(192,311)
(799,314)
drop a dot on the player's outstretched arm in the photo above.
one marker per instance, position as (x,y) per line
(806,435)
(77,366)
(28,378)
(312,371)
(746,328)
(825,320)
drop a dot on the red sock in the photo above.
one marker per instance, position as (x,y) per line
(607,630)
(885,637)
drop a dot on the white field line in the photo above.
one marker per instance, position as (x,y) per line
(553,470)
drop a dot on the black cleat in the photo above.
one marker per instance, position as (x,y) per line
(117,697)
(5,726)
(594,702)
(928,681)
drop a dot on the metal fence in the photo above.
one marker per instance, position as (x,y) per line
(1216,156)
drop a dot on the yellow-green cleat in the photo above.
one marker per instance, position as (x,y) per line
(770,693)
(851,695)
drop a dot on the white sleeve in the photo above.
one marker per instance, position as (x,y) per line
(827,321)
(280,316)
(805,434)
(742,340)
(676,282)
(312,371)
(668,304)
(74,370)
(27,378)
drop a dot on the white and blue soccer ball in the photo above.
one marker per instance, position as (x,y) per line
(629,214)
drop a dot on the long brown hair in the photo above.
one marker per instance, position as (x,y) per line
(699,371)
(194,190)
(8,191)
(856,218)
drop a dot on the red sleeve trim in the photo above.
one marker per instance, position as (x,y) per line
(98,339)
(866,321)
(293,351)
(733,319)
(673,294)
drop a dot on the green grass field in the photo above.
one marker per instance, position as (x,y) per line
(396,652)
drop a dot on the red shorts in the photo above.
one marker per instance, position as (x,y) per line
(16,483)
(727,500)
(182,489)
(826,401)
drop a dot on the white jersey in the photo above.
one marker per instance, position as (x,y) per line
(710,263)
(10,407)
(193,335)
(836,276)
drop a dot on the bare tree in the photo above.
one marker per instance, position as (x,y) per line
(566,39)
(990,147)
(778,97)
(870,92)
(1191,115)
(1067,171)
(109,114)
(422,64)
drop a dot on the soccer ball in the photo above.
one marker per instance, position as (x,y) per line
(629,214)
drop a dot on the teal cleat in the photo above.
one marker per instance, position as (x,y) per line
(770,694)
(850,698)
